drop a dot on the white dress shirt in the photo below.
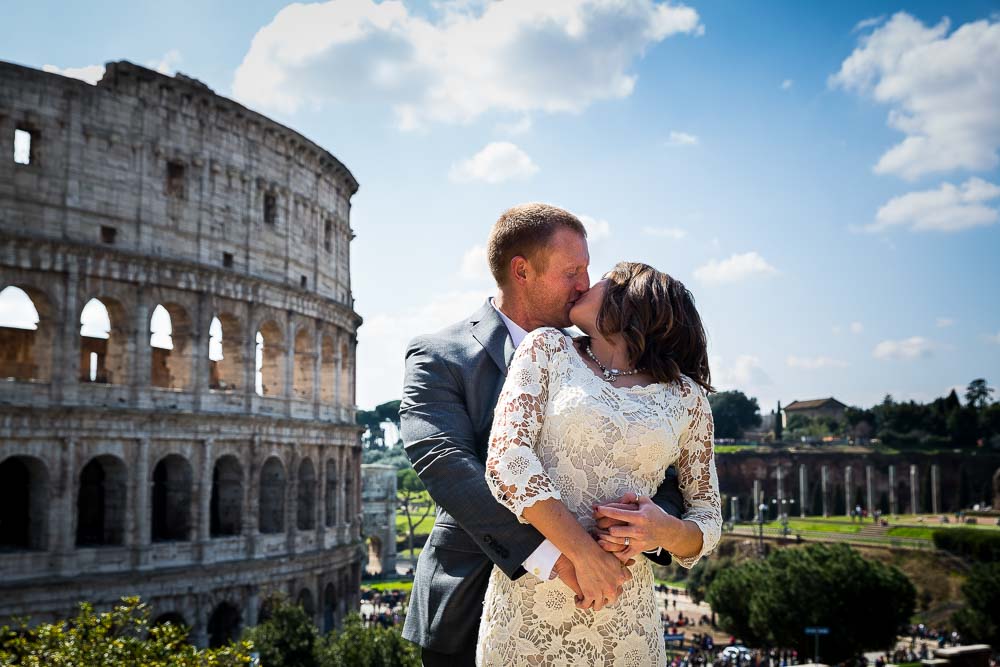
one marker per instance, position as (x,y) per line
(542,559)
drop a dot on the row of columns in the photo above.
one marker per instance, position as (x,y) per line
(849,490)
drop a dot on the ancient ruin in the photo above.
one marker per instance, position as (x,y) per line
(177,355)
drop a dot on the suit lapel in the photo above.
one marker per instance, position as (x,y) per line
(490,331)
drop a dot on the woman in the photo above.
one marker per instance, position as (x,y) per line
(581,423)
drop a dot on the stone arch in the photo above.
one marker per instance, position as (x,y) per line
(328,370)
(102,502)
(103,341)
(170,345)
(225,353)
(305,600)
(272,496)
(171,506)
(374,555)
(331,492)
(223,625)
(174,618)
(27,333)
(306,510)
(226,504)
(270,360)
(329,607)
(305,365)
(24,507)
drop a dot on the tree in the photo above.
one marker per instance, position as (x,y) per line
(411,494)
(777,424)
(121,636)
(863,602)
(978,393)
(287,638)
(376,646)
(733,412)
(977,620)
(963,425)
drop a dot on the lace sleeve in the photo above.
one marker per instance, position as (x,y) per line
(514,473)
(697,478)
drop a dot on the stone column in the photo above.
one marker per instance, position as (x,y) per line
(935,488)
(868,488)
(338,369)
(289,394)
(317,367)
(781,489)
(892,489)
(64,528)
(141,537)
(914,507)
(140,352)
(825,481)
(64,366)
(734,509)
(204,496)
(803,490)
(756,500)
(848,484)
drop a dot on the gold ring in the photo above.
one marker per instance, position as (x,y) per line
(627,540)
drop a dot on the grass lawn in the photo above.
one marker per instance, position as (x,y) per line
(405,585)
(419,528)
(912,532)
(673,584)
(818,526)
(405,553)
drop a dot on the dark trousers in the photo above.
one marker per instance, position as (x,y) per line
(464,658)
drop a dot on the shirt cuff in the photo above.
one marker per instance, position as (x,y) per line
(656,552)
(542,560)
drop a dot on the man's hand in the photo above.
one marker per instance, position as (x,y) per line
(641,523)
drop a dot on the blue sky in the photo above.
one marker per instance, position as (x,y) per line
(825,184)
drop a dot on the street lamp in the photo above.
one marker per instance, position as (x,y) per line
(761,510)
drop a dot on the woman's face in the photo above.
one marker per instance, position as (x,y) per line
(584,312)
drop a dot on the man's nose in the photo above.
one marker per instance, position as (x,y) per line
(583,284)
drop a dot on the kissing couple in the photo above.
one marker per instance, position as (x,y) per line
(561,466)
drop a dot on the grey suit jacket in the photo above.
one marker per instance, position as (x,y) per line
(453,379)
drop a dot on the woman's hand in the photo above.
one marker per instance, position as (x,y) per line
(629,532)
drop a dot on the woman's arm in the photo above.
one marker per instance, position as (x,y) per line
(519,481)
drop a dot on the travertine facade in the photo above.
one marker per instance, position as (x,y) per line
(173,470)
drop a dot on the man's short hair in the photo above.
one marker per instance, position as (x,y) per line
(522,231)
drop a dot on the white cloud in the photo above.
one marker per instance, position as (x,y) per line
(513,56)
(596,229)
(665,232)
(814,363)
(943,322)
(497,162)
(857,327)
(993,339)
(787,84)
(736,268)
(167,63)
(947,209)
(382,340)
(914,347)
(474,266)
(521,126)
(864,24)
(89,73)
(942,89)
(682,139)
(745,373)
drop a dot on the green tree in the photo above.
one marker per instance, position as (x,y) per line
(355,644)
(778,424)
(963,425)
(977,620)
(411,495)
(733,412)
(121,636)
(863,602)
(978,393)
(287,638)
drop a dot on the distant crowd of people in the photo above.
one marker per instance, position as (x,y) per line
(386,607)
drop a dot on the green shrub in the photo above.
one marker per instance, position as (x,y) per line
(979,545)
(121,636)
(977,620)
(355,644)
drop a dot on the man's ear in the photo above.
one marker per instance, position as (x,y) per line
(519,269)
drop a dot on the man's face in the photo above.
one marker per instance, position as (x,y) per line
(552,291)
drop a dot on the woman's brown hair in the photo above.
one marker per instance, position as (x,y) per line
(656,317)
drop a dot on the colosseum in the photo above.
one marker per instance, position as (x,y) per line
(177,346)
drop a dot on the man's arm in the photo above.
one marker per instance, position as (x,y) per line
(668,498)
(439,439)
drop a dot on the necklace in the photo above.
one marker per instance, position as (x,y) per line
(610,374)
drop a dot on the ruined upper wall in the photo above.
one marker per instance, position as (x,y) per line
(163,166)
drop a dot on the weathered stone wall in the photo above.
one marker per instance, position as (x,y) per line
(130,469)
(378,525)
(899,483)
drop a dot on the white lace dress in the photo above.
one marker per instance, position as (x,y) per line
(560,431)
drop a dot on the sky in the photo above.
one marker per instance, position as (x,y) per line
(823,177)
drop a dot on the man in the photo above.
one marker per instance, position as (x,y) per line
(538,256)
